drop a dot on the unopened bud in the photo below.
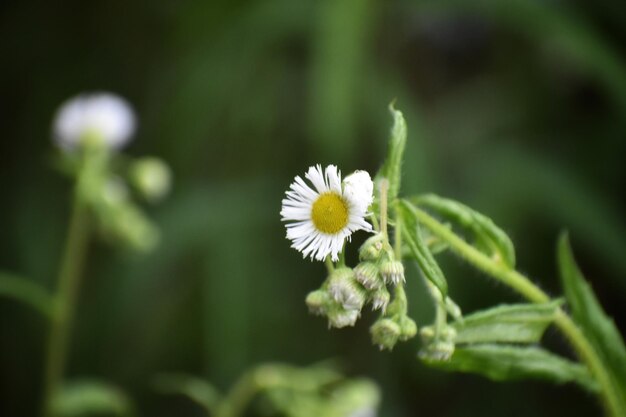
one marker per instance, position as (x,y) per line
(372,248)
(385,333)
(429,333)
(380,299)
(345,290)
(437,351)
(392,272)
(367,274)
(437,347)
(408,328)
(317,301)
(152,177)
(340,317)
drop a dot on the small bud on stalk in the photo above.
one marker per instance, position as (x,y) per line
(385,333)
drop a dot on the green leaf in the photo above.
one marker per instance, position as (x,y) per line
(518,323)
(505,362)
(488,237)
(392,168)
(589,315)
(91,397)
(418,249)
(196,389)
(27,292)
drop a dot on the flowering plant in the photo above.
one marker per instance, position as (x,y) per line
(502,342)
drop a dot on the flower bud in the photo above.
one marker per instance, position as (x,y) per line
(372,248)
(152,177)
(392,272)
(317,301)
(446,333)
(408,328)
(385,333)
(345,290)
(366,273)
(437,349)
(380,299)
(340,317)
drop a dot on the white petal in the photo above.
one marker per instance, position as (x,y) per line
(333,178)
(315,175)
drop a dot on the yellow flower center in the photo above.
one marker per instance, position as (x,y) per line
(329,213)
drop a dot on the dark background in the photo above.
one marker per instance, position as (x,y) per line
(515,107)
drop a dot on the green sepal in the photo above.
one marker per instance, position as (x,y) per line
(506,362)
(488,238)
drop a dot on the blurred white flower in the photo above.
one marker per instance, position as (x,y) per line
(320,219)
(98,116)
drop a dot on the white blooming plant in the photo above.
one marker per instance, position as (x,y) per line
(89,131)
(502,342)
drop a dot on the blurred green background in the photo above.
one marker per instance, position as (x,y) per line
(517,108)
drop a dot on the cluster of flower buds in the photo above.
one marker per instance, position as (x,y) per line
(393,326)
(387,331)
(346,291)
(341,298)
(378,266)
(438,343)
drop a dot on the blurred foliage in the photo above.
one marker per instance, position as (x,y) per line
(516,108)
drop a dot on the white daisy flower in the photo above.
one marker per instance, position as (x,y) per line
(319,219)
(103,116)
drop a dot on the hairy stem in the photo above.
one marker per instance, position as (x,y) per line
(65,301)
(330,267)
(531,292)
(384,188)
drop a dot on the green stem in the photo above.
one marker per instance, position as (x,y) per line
(398,289)
(342,256)
(65,301)
(531,292)
(400,300)
(375,222)
(330,267)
